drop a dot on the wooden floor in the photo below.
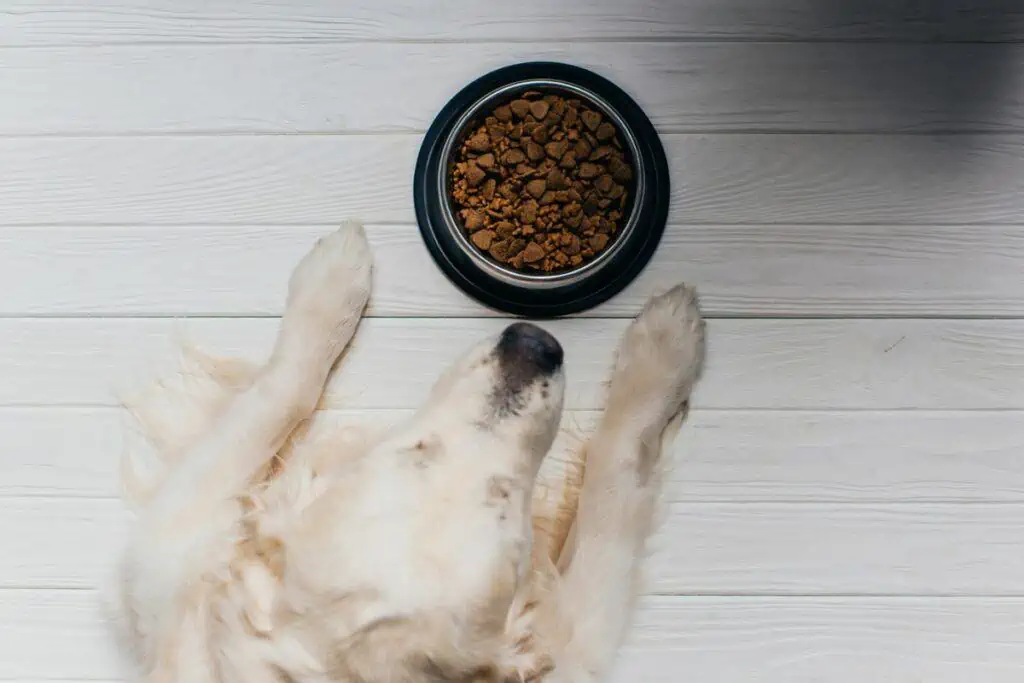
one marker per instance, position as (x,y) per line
(848,194)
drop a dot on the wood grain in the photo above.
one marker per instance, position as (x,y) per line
(703,548)
(683,87)
(794,364)
(49,22)
(898,640)
(721,456)
(755,271)
(268,180)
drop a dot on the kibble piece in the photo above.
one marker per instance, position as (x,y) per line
(591,119)
(473,220)
(621,171)
(520,108)
(487,189)
(601,152)
(589,170)
(485,161)
(536,188)
(571,115)
(504,228)
(598,242)
(483,239)
(539,109)
(528,211)
(479,143)
(605,131)
(540,133)
(582,149)
(556,180)
(568,160)
(499,251)
(533,252)
(547,198)
(513,157)
(503,114)
(604,183)
(534,151)
(556,149)
(474,174)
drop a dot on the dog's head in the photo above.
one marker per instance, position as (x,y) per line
(500,401)
(505,394)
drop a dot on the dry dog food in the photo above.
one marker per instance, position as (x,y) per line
(543,184)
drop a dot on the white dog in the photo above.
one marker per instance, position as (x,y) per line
(262,554)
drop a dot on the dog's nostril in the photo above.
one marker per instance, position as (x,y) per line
(535,343)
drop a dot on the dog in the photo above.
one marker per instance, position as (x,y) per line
(261,552)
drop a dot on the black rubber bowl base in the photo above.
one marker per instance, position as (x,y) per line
(596,288)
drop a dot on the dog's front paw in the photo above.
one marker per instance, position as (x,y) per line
(331,285)
(661,355)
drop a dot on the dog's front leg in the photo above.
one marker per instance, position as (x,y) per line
(326,296)
(585,618)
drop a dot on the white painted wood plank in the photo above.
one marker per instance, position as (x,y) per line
(774,640)
(702,549)
(738,456)
(47,22)
(756,179)
(824,640)
(784,270)
(791,364)
(318,88)
(811,549)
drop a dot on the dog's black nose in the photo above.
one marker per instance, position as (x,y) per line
(524,341)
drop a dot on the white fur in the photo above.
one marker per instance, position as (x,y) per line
(270,546)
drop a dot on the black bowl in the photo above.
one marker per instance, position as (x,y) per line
(565,292)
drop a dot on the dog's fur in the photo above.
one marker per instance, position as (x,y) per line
(270,546)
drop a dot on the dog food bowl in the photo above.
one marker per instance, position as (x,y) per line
(571,289)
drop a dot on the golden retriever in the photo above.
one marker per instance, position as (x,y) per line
(261,553)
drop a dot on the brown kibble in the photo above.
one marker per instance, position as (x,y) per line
(474,174)
(556,179)
(534,151)
(605,131)
(504,228)
(499,251)
(479,143)
(591,119)
(536,188)
(621,171)
(542,184)
(483,238)
(539,109)
(513,157)
(473,220)
(556,149)
(533,252)
(528,211)
(520,108)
